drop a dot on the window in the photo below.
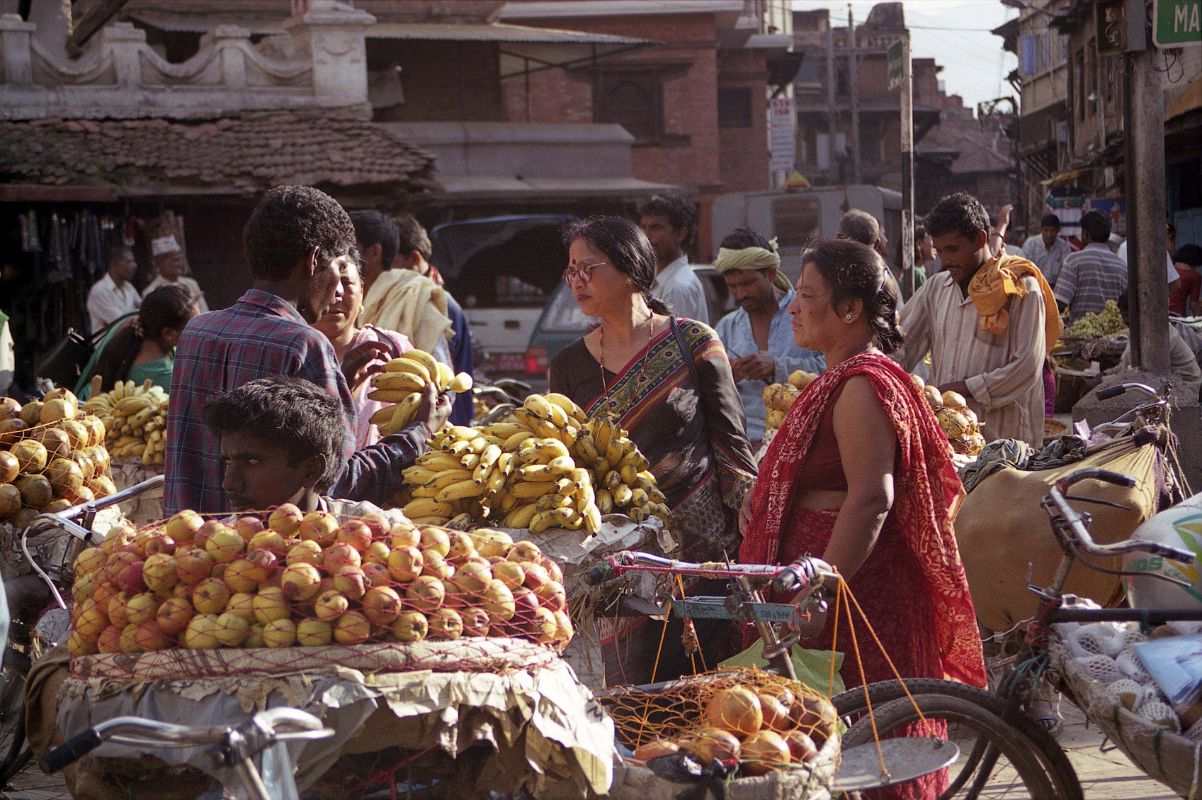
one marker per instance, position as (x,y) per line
(872,146)
(1091,77)
(734,108)
(1079,82)
(632,100)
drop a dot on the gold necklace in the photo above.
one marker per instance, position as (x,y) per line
(639,379)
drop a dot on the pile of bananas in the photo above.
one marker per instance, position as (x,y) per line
(135,418)
(545,466)
(401,384)
(1106,322)
(955,418)
(779,397)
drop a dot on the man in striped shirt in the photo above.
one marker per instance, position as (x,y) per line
(1092,275)
(998,374)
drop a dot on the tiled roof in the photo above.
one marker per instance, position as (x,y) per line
(238,155)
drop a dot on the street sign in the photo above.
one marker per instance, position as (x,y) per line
(896,69)
(1177,23)
(782,136)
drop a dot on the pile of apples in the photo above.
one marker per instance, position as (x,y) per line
(310,580)
(758,730)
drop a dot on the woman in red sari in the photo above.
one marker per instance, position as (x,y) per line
(861,476)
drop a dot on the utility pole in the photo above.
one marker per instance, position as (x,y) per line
(853,90)
(1143,179)
(832,117)
(907,169)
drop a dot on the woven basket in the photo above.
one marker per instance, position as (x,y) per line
(1163,755)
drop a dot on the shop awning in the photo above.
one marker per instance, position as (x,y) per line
(1189,100)
(1065,177)
(509,187)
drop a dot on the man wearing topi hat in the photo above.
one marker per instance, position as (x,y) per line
(170,265)
(758,335)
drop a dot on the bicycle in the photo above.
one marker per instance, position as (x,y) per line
(231,749)
(781,625)
(44,624)
(892,707)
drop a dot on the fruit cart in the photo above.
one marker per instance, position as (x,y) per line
(433,653)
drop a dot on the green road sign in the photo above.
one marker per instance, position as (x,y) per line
(895,72)
(1178,23)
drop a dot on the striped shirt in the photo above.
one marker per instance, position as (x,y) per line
(1048,259)
(261,336)
(1088,279)
(1003,372)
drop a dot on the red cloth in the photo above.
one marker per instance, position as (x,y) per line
(822,470)
(927,496)
(1185,290)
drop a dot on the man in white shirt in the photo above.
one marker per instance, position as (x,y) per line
(669,222)
(169,263)
(1047,250)
(114,295)
(1171,270)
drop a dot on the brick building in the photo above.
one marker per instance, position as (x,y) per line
(696,102)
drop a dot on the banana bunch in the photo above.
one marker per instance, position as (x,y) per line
(135,418)
(543,467)
(955,418)
(401,384)
(779,397)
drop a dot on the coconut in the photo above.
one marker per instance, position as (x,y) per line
(9,467)
(96,431)
(10,499)
(31,455)
(954,399)
(36,491)
(77,432)
(933,397)
(764,751)
(56,441)
(11,429)
(9,408)
(953,423)
(31,413)
(736,709)
(65,476)
(55,409)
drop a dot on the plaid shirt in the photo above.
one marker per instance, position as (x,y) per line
(260,336)
(1088,279)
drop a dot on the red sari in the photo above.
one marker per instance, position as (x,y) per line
(912,586)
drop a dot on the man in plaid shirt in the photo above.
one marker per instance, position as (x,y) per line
(296,242)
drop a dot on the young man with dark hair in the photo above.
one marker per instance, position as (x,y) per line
(377,240)
(280,442)
(1092,275)
(758,335)
(297,241)
(670,223)
(1047,250)
(987,337)
(114,295)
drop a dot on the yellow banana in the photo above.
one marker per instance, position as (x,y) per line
(520,516)
(504,430)
(592,519)
(427,507)
(537,405)
(515,441)
(557,517)
(505,464)
(445,376)
(462,382)
(399,381)
(390,395)
(638,497)
(488,460)
(409,366)
(438,461)
(459,491)
(426,360)
(556,415)
(567,404)
(585,447)
(622,495)
(528,490)
(550,501)
(470,461)
(439,521)
(404,410)
(611,480)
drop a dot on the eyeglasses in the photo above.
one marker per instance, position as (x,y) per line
(582,273)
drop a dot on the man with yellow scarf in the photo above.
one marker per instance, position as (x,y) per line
(988,322)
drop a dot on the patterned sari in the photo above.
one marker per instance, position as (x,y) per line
(692,432)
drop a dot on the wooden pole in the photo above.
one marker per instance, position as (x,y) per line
(907,170)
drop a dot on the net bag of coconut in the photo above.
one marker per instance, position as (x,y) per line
(777,738)
(433,653)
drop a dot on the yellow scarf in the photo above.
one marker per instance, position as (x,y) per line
(999,280)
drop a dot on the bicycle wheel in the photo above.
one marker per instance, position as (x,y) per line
(1055,763)
(19,775)
(994,759)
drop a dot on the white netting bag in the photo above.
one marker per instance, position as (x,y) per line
(1184,628)
(1126,638)
(1159,713)
(1130,665)
(1194,734)
(1127,693)
(1100,668)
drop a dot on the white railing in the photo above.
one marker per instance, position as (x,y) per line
(319,61)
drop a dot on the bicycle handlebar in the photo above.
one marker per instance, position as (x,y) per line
(65,519)
(1079,532)
(276,724)
(1122,388)
(803,574)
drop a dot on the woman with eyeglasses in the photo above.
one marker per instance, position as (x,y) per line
(666,380)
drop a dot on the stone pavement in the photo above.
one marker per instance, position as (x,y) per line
(1106,775)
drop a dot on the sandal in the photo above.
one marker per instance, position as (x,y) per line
(1046,714)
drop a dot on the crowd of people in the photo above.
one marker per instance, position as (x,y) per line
(269,396)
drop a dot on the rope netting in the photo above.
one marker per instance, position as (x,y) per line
(242,591)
